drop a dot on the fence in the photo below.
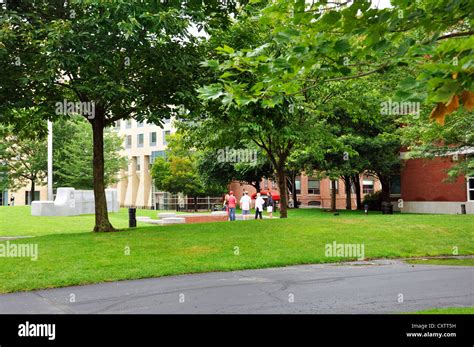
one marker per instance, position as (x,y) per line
(188,204)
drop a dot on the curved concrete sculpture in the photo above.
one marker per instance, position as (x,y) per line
(71,202)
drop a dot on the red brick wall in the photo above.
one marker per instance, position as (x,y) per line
(422,180)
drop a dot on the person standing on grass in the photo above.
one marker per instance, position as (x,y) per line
(12,201)
(226,207)
(232,202)
(245,202)
(259,206)
(270,204)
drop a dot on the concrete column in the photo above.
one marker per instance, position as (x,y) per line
(122,187)
(144,188)
(132,188)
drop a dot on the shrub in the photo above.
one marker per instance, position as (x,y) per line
(374,200)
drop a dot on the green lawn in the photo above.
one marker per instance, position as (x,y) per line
(17,221)
(448,310)
(444,261)
(71,255)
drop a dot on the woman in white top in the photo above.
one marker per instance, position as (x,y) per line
(245,202)
(259,206)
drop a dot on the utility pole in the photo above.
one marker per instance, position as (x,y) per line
(50,161)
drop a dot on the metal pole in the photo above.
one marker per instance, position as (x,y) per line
(50,161)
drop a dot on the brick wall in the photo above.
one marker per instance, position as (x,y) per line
(423,180)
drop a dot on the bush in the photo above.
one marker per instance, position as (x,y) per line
(374,200)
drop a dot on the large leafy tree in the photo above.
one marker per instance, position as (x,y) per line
(178,172)
(315,44)
(131,59)
(359,39)
(73,155)
(277,122)
(455,138)
(23,156)
(215,171)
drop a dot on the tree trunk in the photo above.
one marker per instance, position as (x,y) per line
(333,195)
(385,181)
(281,180)
(356,181)
(347,186)
(102,223)
(195,204)
(257,184)
(32,191)
(293,190)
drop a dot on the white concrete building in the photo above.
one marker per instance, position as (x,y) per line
(143,143)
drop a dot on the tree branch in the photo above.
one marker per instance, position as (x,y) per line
(448,36)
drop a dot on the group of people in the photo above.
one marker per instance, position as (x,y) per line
(230,203)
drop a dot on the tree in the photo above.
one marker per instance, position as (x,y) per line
(178,172)
(24,158)
(73,155)
(221,171)
(119,57)
(436,36)
(426,139)
(271,116)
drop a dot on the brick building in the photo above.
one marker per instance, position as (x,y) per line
(425,188)
(314,192)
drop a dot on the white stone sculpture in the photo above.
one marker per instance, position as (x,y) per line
(71,202)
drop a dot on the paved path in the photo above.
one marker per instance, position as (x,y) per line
(357,288)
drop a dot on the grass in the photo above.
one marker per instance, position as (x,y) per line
(17,221)
(448,310)
(443,261)
(69,254)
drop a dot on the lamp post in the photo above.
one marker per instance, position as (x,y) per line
(50,161)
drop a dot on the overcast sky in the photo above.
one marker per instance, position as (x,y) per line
(381,3)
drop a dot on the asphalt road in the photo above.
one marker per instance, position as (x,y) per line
(364,287)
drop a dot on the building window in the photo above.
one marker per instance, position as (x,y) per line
(140,140)
(166,133)
(153,139)
(157,154)
(128,142)
(367,186)
(117,125)
(128,124)
(335,185)
(470,188)
(298,185)
(314,186)
(140,124)
(395,185)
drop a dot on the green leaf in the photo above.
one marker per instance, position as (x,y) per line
(211,92)
(331,17)
(213,64)
(342,46)
(225,49)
